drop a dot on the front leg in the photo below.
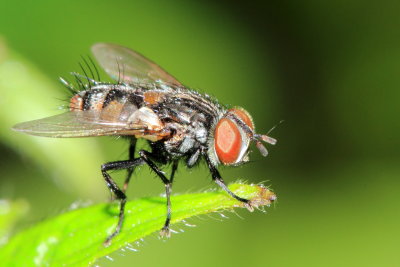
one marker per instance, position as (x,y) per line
(218,180)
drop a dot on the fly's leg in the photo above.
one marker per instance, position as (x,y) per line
(216,176)
(165,231)
(130,170)
(120,195)
(132,147)
(174,167)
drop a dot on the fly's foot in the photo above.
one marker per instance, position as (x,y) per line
(248,205)
(165,232)
(265,197)
(107,242)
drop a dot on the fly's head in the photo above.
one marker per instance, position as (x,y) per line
(233,133)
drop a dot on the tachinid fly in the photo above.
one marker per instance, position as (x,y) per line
(147,102)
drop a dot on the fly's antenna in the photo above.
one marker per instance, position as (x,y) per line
(256,137)
(265,138)
(273,128)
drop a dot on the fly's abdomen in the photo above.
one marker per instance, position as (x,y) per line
(88,100)
(76,103)
(111,104)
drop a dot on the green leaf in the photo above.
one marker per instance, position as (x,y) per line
(76,238)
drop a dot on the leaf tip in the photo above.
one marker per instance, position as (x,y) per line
(262,197)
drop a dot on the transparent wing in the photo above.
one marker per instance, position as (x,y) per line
(78,124)
(126,65)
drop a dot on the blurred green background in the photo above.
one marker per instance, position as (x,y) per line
(329,69)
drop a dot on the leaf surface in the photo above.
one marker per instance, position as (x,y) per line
(76,238)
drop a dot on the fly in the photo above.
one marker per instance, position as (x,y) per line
(179,124)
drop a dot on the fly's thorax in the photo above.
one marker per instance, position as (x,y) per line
(187,137)
(189,115)
(231,137)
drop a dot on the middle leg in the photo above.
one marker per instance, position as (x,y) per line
(145,155)
(132,148)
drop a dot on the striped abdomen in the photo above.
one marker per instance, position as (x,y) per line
(112,104)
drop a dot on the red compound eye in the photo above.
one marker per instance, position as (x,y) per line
(228,141)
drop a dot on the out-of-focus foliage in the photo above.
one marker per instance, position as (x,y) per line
(329,69)
(23,91)
(10,213)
